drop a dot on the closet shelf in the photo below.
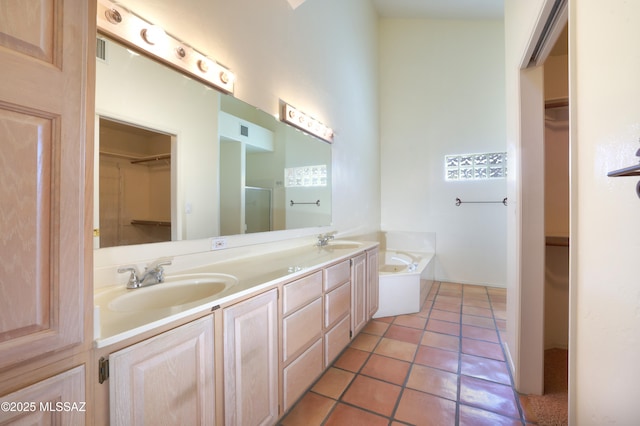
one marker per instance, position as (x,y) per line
(151,222)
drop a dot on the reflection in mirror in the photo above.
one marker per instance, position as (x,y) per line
(135,185)
(233,169)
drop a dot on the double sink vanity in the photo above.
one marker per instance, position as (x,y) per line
(231,336)
(236,341)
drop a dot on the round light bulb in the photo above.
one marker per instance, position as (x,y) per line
(153,34)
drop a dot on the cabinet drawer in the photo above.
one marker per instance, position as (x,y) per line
(301,292)
(337,303)
(336,275)
(298,376)
(301,328)
(336,340)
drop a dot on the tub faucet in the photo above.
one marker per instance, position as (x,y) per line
(411,266)
(323,240)
(153,274)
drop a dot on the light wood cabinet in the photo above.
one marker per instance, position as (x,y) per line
(251,361)
(337,310)
(358,293)
(58,400)
(336,339)
(301,336)
(45,232)
(168,379)
(301,328)
(301,373)
(45,239)
(373,286)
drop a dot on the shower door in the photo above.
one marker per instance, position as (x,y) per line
(257,209)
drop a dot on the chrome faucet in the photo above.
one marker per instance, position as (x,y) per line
(323,240)
(153,274)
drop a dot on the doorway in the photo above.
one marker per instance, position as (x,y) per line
(134,184)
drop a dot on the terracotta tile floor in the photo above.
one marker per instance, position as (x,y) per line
(441,366)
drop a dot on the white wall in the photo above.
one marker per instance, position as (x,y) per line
(605,230)
(442,92)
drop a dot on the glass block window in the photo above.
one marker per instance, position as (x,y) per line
(476,166)
(305,176)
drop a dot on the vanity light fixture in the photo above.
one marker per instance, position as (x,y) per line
(304,122)
(153,35)
(127,27)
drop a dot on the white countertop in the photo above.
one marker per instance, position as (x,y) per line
(252,273)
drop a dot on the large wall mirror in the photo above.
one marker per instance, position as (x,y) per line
(179,160)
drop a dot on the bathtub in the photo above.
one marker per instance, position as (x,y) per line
(403,291)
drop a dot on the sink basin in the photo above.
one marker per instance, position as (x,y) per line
(174,292)
(342,244)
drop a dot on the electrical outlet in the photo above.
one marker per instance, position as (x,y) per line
(218,243)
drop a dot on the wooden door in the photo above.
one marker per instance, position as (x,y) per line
(165,380)
(44,166)
(251,361)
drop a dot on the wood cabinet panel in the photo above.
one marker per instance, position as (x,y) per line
(358,293)
(300,292)
(336,275)
(373,286)
(251,361)
(168,379)
(301,328)
(336,339)
(43,397)
(28,27)
(337,304)
(45,236)
(301,373)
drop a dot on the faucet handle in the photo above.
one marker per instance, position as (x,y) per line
(128,268)
(158,264)
(134,281)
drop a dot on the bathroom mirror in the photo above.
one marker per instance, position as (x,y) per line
(179,160)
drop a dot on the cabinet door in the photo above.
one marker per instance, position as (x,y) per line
(251,361)
(373,287)
(358,293)
(43,52)
(58,400)
(168,379)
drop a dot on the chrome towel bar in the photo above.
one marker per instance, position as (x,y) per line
(317,203)
(459,201)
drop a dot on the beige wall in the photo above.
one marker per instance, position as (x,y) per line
(605,231)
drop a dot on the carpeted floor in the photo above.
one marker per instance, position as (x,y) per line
(550,409)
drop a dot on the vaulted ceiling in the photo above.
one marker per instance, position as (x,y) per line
(434,9)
